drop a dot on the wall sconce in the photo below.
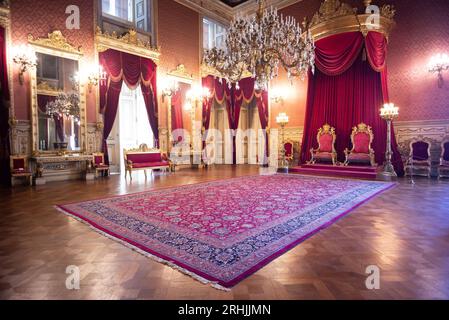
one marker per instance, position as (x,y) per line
(198,93)
(25,57)
(169,87)
(278,94)
(95,76)
(438,64)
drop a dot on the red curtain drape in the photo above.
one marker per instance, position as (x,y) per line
(346,90)
(133,70)
(235,96)
(42,101)
(176,110)
(4,112)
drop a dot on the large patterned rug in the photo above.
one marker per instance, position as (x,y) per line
(223,231)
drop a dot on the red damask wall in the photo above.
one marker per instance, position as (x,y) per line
(422,30)
(39,17)
(179,39)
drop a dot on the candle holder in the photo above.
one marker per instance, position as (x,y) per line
(389,112)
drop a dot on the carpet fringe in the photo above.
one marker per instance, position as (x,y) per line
(168,263)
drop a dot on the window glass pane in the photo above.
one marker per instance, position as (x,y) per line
(122,9)
(214,34)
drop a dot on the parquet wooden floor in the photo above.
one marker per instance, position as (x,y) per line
(405,232)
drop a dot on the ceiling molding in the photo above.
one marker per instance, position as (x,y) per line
(223,13)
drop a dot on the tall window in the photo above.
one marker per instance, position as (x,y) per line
(135,13)
(214,34)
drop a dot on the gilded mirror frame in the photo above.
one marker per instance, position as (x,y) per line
(56,45)
(180,75)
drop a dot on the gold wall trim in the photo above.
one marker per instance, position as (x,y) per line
(56,45)
(128,43)
(56,41)
(181,74)
(335,17)
(4,17)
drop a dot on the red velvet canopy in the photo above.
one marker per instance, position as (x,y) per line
(4,111)
(235,96)
(133,70)
(349,87)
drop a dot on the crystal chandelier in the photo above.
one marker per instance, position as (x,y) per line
(65,104)
(256,45)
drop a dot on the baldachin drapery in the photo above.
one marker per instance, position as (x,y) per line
(133,70)
(349,87)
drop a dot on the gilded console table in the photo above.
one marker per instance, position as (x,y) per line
(60,168)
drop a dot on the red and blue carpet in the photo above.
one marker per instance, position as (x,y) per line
(223,231)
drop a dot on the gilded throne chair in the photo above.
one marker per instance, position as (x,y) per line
(443,167)
(361,139)
(289,151)
(419,161)
(326,146)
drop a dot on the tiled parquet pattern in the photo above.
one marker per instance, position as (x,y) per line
(404,231)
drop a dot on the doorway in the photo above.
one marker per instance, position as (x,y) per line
(250,140)
(131,127)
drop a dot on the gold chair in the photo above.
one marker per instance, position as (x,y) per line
(19,168)
(443,168)
(419,162)
(99,165)
(361,138)
(326,146)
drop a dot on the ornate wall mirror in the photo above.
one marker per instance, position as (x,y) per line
(179,116)
(58,105)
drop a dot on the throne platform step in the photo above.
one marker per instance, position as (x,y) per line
(359,172)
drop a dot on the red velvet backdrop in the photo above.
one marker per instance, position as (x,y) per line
(347,89)
(235,96)
(4,112)
(134,70)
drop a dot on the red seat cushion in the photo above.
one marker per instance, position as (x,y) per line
(150,164)
(101,166)
(21,171)
(326,142)
(323,155)
(144,157)
(359,156)
(361,142)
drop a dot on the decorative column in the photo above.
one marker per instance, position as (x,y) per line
(389,112)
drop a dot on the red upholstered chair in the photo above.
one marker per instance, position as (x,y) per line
(419,161)
(361,138)
(326,146)
(19,169)
(289,151)
(443,168)
(99,165)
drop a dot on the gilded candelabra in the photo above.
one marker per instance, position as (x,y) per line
(389,112)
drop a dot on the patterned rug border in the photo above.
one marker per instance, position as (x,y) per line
(197,274)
